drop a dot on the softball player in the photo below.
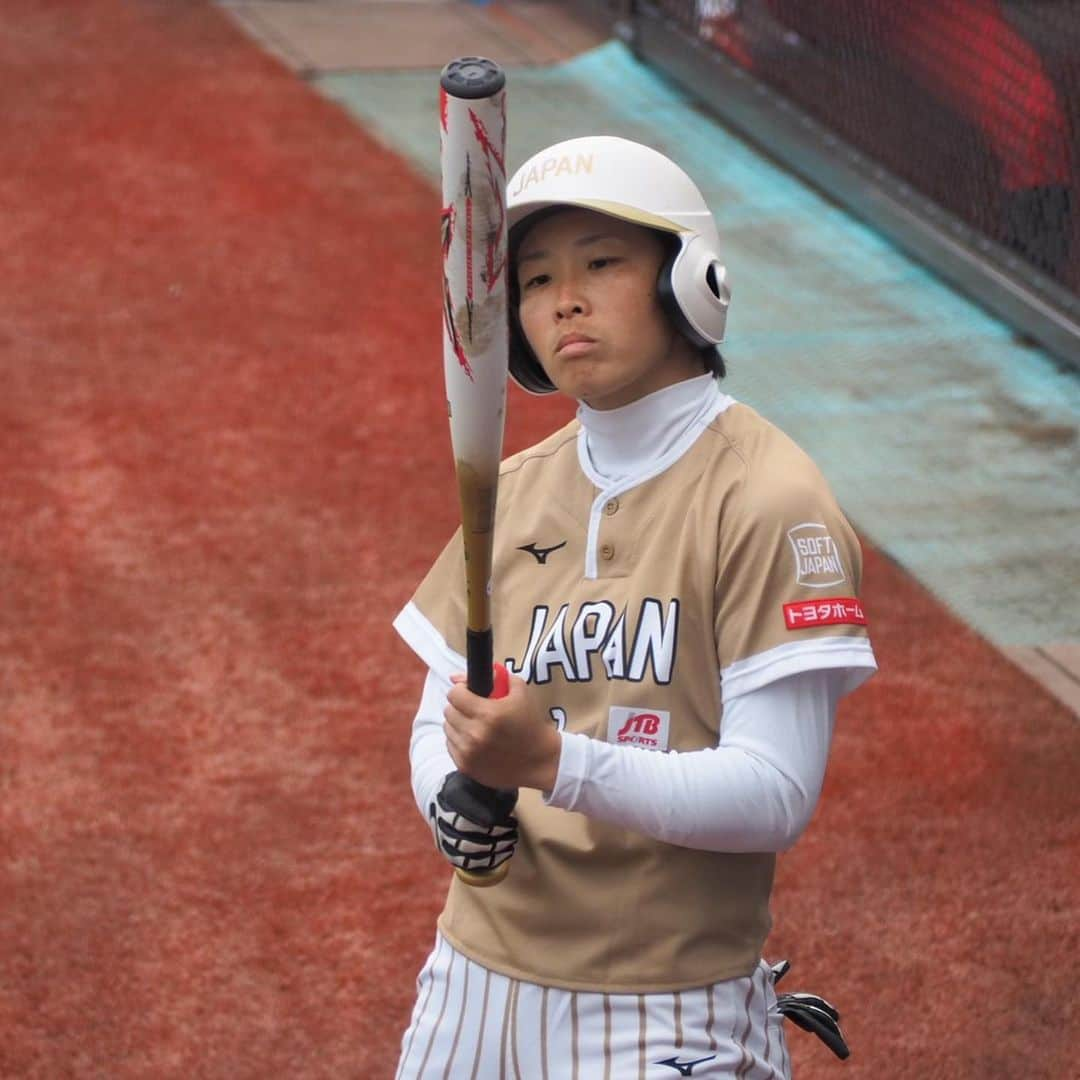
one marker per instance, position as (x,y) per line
(677,606)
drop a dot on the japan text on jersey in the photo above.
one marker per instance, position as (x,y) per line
(626,647)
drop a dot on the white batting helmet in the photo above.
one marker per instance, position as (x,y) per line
(637,184)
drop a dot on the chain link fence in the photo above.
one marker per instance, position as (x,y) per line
(972,106)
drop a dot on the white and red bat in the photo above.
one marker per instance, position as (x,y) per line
(472,110)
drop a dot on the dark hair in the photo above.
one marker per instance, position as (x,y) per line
(713,359)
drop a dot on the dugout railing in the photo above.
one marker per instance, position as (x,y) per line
(952,126)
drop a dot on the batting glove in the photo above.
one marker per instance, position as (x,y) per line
(472,831)
(811,1013)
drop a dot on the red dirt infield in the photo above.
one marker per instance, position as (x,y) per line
(225,465)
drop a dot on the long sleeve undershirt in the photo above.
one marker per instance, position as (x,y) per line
(755,791)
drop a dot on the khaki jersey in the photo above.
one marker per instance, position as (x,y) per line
(635,612)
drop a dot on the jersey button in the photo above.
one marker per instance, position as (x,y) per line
(611,506)
(607,551)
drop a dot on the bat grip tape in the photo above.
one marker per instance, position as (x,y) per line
(479,658)
(480,679)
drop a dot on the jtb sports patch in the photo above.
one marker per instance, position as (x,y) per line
(648,728)
(817,558)
(833,611)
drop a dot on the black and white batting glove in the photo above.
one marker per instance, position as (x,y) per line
(811,1013)
(473,831)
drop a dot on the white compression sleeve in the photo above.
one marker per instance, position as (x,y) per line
(429,759)
(755,791)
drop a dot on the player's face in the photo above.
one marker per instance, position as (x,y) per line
(590,311)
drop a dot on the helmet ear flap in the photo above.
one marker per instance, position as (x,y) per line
(699,288)
(694,294)
(669,303)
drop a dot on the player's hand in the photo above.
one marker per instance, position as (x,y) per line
(501,742)
(471,832)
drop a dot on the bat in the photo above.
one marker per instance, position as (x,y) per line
(472,108)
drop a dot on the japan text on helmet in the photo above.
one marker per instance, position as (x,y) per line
(637,184)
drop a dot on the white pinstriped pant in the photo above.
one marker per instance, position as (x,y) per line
(470,1023)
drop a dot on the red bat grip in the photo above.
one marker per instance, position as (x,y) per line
(500,681)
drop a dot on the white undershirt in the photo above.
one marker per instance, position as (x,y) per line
(758,788)
(625,442)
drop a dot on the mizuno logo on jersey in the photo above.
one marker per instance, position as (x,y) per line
(624,645)
(684,1068)
(539,553)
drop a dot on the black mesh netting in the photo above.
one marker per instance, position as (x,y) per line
(974,103)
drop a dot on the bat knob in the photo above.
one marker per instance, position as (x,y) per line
(477,879)
(472,77)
